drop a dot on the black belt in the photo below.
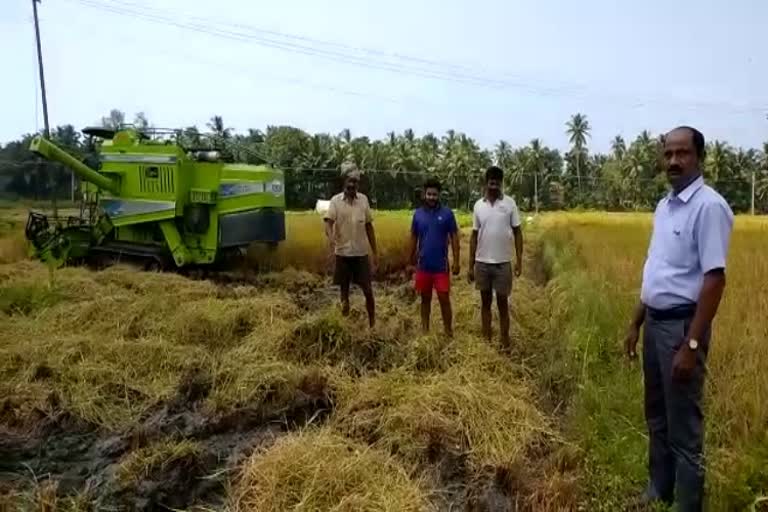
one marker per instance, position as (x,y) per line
(674,313)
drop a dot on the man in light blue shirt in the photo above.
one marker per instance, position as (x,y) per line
(683,282)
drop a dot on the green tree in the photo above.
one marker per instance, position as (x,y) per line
(578,132)
(216,125)
(619,147)
(140,121)
(761,180)
(629,176)
(115,119)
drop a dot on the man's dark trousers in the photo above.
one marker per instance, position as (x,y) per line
(673,410)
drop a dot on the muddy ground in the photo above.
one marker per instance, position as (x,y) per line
(84,461)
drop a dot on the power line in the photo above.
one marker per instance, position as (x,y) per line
(314,52)
(358,49)
(267,38)
(262,76)
(467,71)
(369,51)
(339,56)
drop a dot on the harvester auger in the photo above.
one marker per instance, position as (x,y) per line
(152,200)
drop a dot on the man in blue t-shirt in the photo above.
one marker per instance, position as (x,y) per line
(433,227)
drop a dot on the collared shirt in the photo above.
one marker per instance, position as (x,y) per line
(494,223)
(349,220)
(691,234)
(432,227)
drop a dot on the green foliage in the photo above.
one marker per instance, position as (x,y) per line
(604,414)
(629,178)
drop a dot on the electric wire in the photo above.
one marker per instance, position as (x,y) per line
(253,35)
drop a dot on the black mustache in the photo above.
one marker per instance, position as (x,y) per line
(675,168)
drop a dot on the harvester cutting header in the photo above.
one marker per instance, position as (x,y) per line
(146,197)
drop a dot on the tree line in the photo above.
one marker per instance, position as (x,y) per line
(629,177)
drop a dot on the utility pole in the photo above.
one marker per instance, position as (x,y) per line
(752,208)
(47,126)
(42,76)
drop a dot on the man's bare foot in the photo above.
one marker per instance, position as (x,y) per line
(345,309)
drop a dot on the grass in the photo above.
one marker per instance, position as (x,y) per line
(596,260)
(108,347)
(463,410)
(141,463)
(320,470)
(88,338)
(409,418)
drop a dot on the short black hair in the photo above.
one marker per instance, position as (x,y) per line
(432,183)
(494,173)
(698,140)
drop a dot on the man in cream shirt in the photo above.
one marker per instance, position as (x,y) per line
(349,229)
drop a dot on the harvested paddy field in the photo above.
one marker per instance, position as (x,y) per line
(247,390)
(129,390)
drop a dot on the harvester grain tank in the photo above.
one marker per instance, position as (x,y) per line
(152,199)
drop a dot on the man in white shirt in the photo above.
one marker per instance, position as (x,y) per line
(495,222)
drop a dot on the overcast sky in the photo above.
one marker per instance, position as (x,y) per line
(495,69)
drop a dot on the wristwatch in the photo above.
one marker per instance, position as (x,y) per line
(693,344)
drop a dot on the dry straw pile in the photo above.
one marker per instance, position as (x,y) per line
(368,420)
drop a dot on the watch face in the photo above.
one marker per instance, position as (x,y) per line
(693,344)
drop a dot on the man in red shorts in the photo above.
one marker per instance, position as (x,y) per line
(433,227)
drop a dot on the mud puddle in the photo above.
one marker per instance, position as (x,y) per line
(177,457)
(308,291)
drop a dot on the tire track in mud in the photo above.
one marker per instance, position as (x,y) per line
(83,459)
(77,458)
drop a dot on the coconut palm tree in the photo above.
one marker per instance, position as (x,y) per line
(762,181)
(502,154)
(619,147)
(761,178)
(216,124)
(428,154)
(578,131)
(536,165)
(718,165)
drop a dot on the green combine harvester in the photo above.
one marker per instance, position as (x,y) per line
(148,199)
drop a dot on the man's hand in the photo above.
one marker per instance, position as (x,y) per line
(456,267)
(471,274)
(630,343)
(684,363)
(518,268)
(374,262)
